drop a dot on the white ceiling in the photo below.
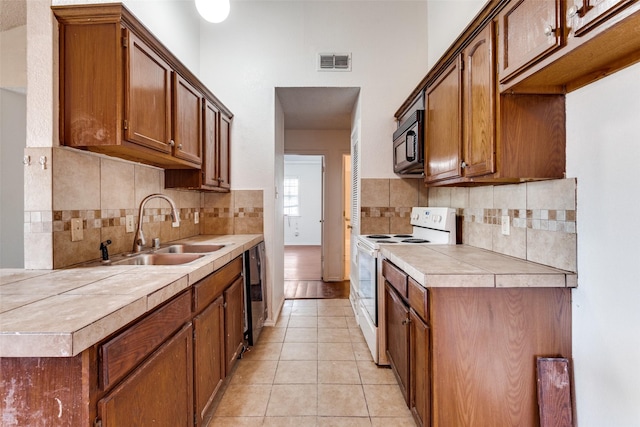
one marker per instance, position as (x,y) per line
(317,108)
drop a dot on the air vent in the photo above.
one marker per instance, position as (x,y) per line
(334,62)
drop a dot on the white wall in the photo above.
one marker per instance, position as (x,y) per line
(446,20)
(267,44)
(13,58)
(603,152)
(13,128)
(306,228)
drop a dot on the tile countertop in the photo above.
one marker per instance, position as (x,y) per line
(60,313)
(467,266)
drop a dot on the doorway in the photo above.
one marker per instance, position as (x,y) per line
(303,216)
(318,121)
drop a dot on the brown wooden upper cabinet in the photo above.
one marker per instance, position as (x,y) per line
(584,15)
(495,101)
(216,137)
(122,93)
(460,125)
(557,46)
(147,93)
(529,31)
(187,121)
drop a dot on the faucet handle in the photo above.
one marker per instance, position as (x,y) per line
(105,251)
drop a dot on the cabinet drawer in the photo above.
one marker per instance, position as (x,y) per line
(209,288)
(419,299)
(123,352)
(396,277)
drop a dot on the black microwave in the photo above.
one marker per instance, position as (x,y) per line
(408,147)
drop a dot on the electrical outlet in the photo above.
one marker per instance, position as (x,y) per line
(506,229)
(76,229)
(196,217)
(129,225)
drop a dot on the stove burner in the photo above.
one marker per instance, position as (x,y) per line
(403,235)
(415,241)
(378,236)
(386,242)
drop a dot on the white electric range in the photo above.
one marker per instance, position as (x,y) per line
(431,226)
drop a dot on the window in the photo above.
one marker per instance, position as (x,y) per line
(291,196)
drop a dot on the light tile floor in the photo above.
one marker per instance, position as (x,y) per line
(312,369)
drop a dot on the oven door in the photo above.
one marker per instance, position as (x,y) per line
(368,292)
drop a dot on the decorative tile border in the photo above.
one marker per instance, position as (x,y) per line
(562,221)
(385,212)
(47,221)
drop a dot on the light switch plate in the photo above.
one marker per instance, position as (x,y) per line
(506,229)
(196,217)
(129,226)
(76,229)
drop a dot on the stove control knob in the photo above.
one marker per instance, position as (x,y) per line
(437,218)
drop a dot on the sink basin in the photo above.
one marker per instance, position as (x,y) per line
(160,259)
(190,249)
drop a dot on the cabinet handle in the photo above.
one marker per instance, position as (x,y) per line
(172,143)
(549,31)
(180,147)
(224,305)
(406,321)
(573,11)
(463,165)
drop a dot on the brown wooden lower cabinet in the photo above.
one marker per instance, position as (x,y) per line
(397,318)
(208,356)
(159,392)
(162,369)
(420,370)
(472,360)
(233,322)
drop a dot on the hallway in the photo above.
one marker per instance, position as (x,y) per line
(303,275)
(312,369)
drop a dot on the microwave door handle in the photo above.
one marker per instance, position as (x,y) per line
(410,155)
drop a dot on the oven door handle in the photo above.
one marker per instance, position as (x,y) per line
(368,251)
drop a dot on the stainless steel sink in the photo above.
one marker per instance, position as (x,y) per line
(160,259)
(190,249)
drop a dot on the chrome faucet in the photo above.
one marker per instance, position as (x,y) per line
(139,240)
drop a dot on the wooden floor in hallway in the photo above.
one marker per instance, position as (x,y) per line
(303,275)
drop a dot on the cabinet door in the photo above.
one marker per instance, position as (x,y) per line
(187,121)
(585,15)
(479,105)
(159,392)
(397,322)
(224,171)
(233,322)
(147,97)
(529,30)
(211,145)
(444,125)
(420,370)
(208,356)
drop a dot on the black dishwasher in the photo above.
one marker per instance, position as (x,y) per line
(255,292)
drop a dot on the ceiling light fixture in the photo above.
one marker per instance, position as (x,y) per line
(214,11)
